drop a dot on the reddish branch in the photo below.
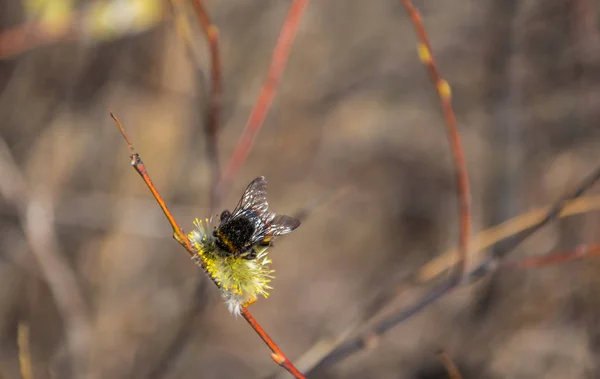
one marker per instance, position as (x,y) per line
(215,98)
(266,96)
(449,364)
(580,252)
(277,355)
(138,165)
(443,90)
(182,238)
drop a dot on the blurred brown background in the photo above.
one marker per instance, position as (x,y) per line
(355,111)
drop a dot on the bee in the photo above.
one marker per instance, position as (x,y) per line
(250,228)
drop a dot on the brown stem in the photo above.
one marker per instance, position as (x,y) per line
(277,355)
(138,165)
(462,177)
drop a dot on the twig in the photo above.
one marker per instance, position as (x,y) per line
(277,354)
(215,99)
(444,92)
(182,238)
(553,213)
(266,96)
(580,252)
(449,364)
(138,165)
(493,235)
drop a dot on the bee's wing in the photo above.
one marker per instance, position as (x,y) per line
(281,225)
(254,197)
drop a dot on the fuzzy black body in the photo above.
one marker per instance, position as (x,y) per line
(249,229)
(234,235)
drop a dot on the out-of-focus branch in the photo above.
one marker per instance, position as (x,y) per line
(449,364)
(580,252)
(462,177)
(494,235)
(265,98)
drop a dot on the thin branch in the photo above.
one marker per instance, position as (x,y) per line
(448,363)
(444,92)
(278,356)
(182,238)
(138,165)
(580,252)
(266,96)
(552,214)
(495,234)
(215,99)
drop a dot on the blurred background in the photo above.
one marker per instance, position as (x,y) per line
(355,114)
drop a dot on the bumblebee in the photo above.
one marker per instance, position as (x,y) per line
(250,227)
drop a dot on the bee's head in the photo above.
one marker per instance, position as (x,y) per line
(224,216)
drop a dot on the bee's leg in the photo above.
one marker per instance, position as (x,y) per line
(248,254)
